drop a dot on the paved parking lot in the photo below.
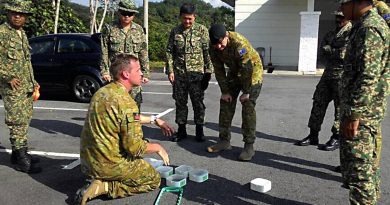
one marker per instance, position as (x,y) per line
(299,175)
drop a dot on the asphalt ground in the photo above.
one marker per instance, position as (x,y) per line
(299,175)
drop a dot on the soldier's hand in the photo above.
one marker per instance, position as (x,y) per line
(350,128)
(106,77)
(226,97)
(15,83)
(244,98)
(164,155)
(171,77)
(145,80)
(165,127)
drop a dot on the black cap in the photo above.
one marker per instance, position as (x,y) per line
(216,32)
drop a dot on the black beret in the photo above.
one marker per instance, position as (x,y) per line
(216,32)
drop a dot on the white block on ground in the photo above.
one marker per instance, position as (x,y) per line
(260,185)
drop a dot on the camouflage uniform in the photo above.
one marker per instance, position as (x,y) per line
(383,10)
(115,40)
(112,144)
(244,73)
(15,62)
(365,85)
(188,58)
(333,50)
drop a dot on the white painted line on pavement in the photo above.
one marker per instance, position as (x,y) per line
(156,93)
(55,154)
(166,82)
(72,165)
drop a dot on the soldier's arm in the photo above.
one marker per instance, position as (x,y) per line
(104,64)
(132,142)
(220,73)
(169,53)
(144,58)
(208,65)
(246,64)
(370,51)
(7,72)
(325,47)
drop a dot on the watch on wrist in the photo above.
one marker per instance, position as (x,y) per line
(153,119)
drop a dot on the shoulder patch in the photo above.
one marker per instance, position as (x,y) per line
(136,116)
(242,52)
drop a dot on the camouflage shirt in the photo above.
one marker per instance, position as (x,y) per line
(242,61)
(187,51)
(15,60)
(333,48)
(112,135)
(365,83)
(115,40)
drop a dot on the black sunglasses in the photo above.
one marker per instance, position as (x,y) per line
(126,13)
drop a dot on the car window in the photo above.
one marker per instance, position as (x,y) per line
(42,46)
(73,46)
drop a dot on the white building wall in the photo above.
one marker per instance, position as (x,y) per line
(273,23)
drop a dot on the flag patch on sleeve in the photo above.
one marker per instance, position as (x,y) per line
(242,52)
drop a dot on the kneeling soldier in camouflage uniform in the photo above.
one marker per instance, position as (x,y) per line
(112,142)
(244,73)
(17,83)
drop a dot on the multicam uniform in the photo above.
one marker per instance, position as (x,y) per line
(333,48)
(383,10)
(116,40)
(188,58)
(244,73)
(365,85)
(112,144)
(15,62)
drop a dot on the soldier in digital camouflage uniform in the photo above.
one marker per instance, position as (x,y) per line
(17,83)
(383,10)
(332,48)
(125,36)
(244,74)
(189,69)
(112,142)
(365,85)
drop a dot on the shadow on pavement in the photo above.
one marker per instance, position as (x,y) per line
(53,176)
(57,126)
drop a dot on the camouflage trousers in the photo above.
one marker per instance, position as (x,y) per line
(18,113)
(181,89)
(227,110)
(360,164)
(136,94)
(326,91)
(140,178)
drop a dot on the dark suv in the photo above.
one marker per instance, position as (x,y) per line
(68,62)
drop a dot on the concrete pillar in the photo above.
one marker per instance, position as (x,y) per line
(307,62)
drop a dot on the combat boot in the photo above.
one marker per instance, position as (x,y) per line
(311,139)
(14,159)
(90,191)
(247,153)
(220,146)
(23,162)
(199,133)
(332,144)
(181,133)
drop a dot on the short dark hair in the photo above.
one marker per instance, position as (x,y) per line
(120,63)
(187,8)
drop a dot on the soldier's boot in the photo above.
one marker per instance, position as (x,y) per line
(181,133)
(14,158)
(91,190)
(199,133)
(220,146)
(332,144)
(311,139)
(247,153)
(23,162)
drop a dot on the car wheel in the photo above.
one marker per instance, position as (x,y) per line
(84,87)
